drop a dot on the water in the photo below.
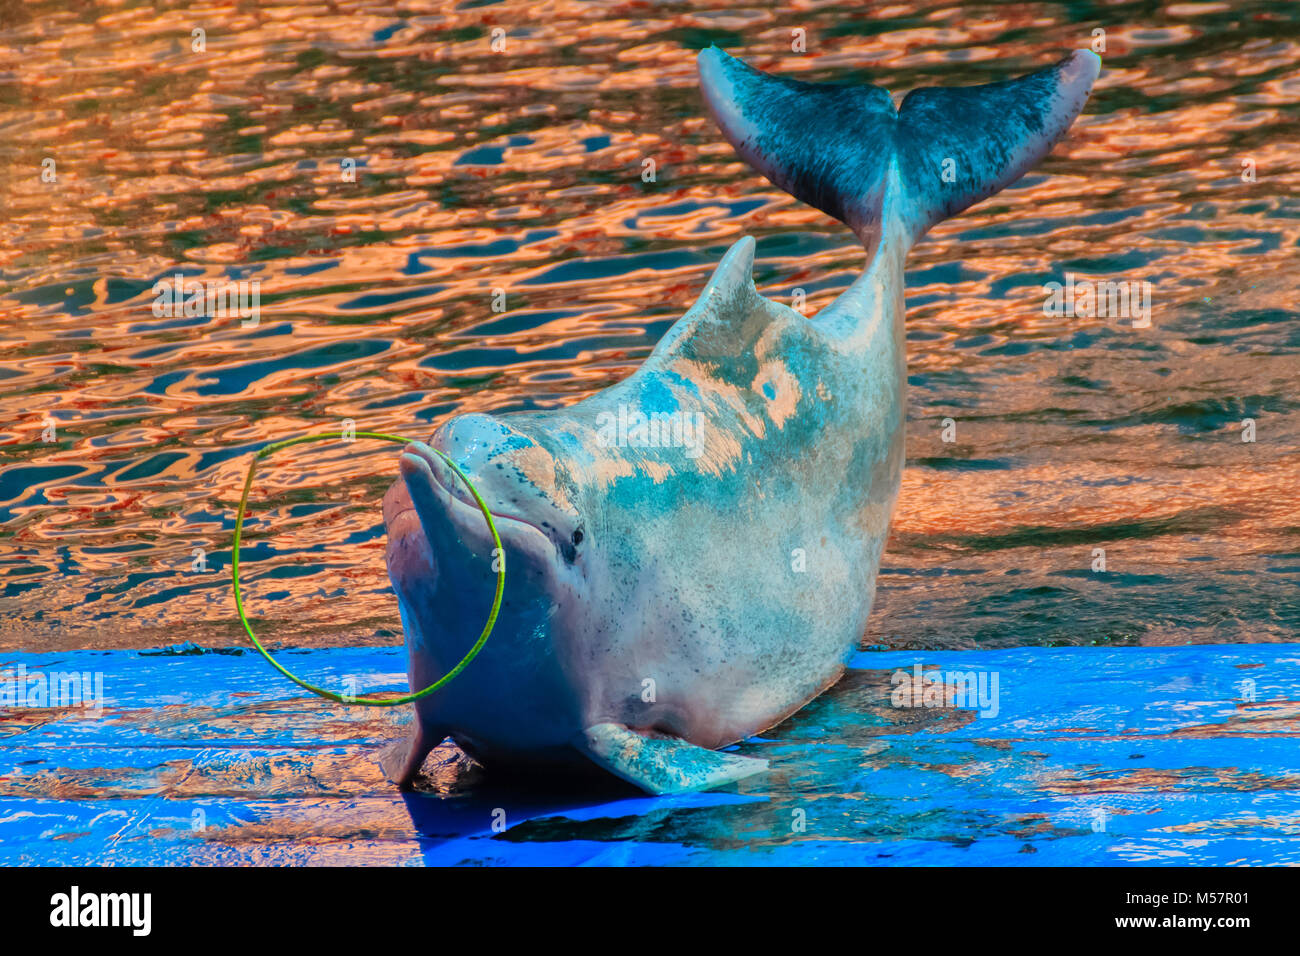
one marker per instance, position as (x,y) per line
(521,171)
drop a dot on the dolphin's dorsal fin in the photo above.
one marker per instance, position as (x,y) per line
(847,151)
(727,300)
(734,276)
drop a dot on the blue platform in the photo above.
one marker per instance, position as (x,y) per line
(1179,755)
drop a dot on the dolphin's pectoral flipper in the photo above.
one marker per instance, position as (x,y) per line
(662,765)
(847,151)
(402,759)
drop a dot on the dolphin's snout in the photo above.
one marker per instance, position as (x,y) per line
(420,459)
(517,480)
(452,527)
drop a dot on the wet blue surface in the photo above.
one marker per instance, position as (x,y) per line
(1095,756)
(124,435)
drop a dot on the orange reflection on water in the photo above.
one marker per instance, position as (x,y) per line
(521,169)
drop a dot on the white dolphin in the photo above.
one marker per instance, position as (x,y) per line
(679,582)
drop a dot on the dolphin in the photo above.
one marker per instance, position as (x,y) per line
(691,554)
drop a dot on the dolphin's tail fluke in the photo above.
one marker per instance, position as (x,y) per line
(847,151)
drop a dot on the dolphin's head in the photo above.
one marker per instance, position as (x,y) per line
(440,550)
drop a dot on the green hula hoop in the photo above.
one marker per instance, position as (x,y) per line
(320,691)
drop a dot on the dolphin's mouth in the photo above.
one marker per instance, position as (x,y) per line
(419,462)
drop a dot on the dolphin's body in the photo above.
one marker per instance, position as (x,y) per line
(667,595)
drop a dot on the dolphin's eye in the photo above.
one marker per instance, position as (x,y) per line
(577,537)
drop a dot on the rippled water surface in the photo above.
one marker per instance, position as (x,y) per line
(515,175)
(521,171)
